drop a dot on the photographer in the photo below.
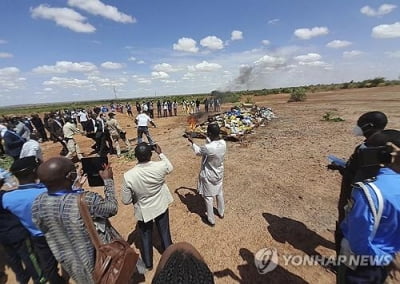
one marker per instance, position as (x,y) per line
(372,223)
(144,186)
(368,124)
(57,215)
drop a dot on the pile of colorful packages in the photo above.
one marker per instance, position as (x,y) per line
(235,123)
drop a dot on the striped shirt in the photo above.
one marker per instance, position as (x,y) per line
(59,219)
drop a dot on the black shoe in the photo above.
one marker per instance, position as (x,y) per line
(205,221)
(217,213)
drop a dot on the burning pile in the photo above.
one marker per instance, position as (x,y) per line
(234,124)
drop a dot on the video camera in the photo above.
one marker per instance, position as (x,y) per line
(374,156)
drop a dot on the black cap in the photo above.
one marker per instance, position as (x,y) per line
(23,164)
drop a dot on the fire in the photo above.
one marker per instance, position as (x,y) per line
(192,122)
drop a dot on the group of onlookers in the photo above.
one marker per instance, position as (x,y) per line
(41,227)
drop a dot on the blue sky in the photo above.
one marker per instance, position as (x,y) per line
(71,50)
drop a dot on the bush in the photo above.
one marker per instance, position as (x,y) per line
(6,162)
(329,116)
(298,95)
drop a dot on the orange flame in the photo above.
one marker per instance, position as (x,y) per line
(192,122)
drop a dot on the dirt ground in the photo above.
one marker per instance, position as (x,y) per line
(277,189)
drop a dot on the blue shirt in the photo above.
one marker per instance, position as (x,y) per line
(19,202)
(358,225)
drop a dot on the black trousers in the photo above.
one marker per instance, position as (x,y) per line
(362,274)
(22,260)
(47,261)
(146,230)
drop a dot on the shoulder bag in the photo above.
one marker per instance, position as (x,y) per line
(116,261)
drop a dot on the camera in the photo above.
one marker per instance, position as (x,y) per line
(374,156)
(91,166)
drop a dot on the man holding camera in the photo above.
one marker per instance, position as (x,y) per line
(367,125)
(56,214)
(371,227)
(144,186)
(212,172)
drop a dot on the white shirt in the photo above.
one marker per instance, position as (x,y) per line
(31,148)
(82,116)
(143,119)
(212,167)
(145,187)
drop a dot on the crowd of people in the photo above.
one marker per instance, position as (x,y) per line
(41,225)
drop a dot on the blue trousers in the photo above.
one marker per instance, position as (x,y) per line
(143,130)
(146,231)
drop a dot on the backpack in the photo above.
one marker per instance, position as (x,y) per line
(11,229)
(116,261)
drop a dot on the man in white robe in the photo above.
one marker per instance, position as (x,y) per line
(212,172)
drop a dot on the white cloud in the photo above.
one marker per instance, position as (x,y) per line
(188,76)
(265,42)
(64,17)
(165,67)
(205,67)
(66,66)
(143,81)
(393,54)
(132,58)
(236,35)
(112,65)
(338,43)
(106,82)
(352,53)
(212,42)
(2,41)
(270,61)
(10,79)
(159,75)
(98,8)
(141,62)
(66,82)
(316,63)
(308,57)
(186,44)
(273,21)
(48,89)
(169,81)
(5,55)
(9,71)
(382,10)
(386,31)
(310,33)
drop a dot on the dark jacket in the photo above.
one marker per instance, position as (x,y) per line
(13,143)
(11,229)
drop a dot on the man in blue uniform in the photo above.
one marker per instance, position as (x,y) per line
(371,228)
(19,202)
